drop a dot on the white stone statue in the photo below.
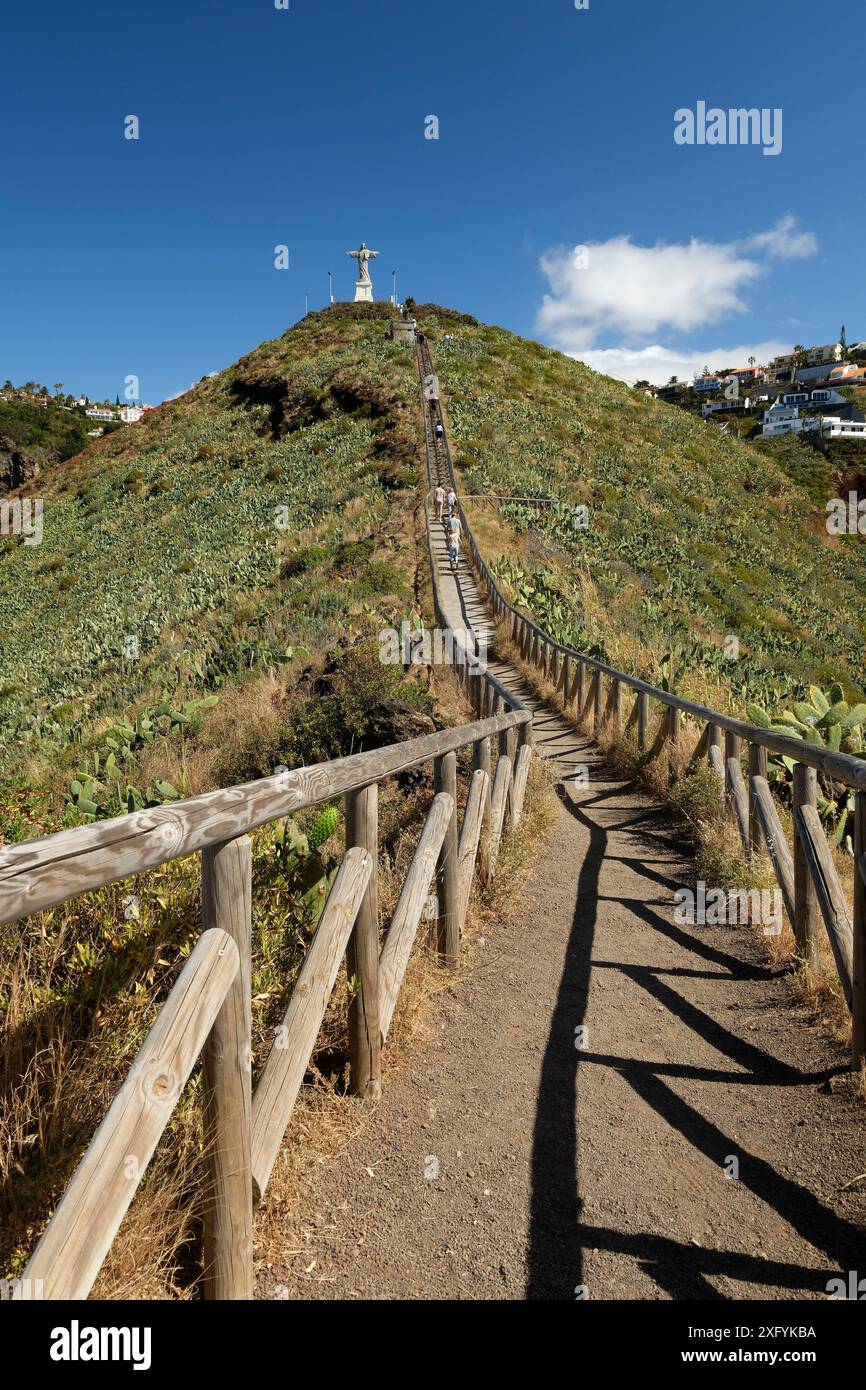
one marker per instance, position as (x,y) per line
(363,285)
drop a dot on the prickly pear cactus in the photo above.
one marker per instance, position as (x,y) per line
(826,720)
(324,827)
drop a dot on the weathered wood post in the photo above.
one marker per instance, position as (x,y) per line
(616,709)
(858,979)
(362,953)
(227,905)
(807,913)
(554,667)
(642,720)
(714,740)
(581,687)
(598,708)
(566,679)
(508,749)
(673,742)
(757,768)
(447,878)
(481,759)
(733,746)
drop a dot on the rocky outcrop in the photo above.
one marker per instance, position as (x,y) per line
(16,467)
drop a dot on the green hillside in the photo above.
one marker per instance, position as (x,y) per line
(693,537)
(249,535)
(256,525)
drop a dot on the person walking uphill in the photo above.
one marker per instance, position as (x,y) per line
(439,498)
(455,530)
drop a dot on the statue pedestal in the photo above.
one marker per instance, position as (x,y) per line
(363,292)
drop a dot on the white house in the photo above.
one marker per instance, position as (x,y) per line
(834,428)
(786,419)
(130,414)
(97,413)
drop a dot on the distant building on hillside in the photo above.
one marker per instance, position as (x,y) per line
(811,357)
(832,427)
(786,419)
(846,374)
(709,408)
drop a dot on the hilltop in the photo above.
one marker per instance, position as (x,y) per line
(245,538)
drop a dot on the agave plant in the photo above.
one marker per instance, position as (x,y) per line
(827,721)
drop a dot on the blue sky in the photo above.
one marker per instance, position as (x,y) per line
(305,127)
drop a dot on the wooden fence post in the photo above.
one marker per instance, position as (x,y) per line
(581,687)
(673,741)
(616,709)
(807,919)
(642,720)
(362,952)
(858,981)
(757,768)
(733,746)
(481,760)
(598,708)
(447,878)
(227,905)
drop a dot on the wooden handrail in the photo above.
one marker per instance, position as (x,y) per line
(38,874)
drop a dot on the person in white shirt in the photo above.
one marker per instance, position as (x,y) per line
(439,498)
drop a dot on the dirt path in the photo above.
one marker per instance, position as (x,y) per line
(504,1162)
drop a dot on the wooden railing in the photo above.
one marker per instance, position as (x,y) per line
(209,1009)
(806,873)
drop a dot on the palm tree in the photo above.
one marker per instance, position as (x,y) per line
(58,388)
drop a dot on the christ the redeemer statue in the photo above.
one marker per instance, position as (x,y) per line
(363,284)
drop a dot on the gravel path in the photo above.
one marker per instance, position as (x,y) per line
(504,1162)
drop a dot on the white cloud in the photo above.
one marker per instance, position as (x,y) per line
(784,240)
(634,293)
(658,364)
(640,289)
